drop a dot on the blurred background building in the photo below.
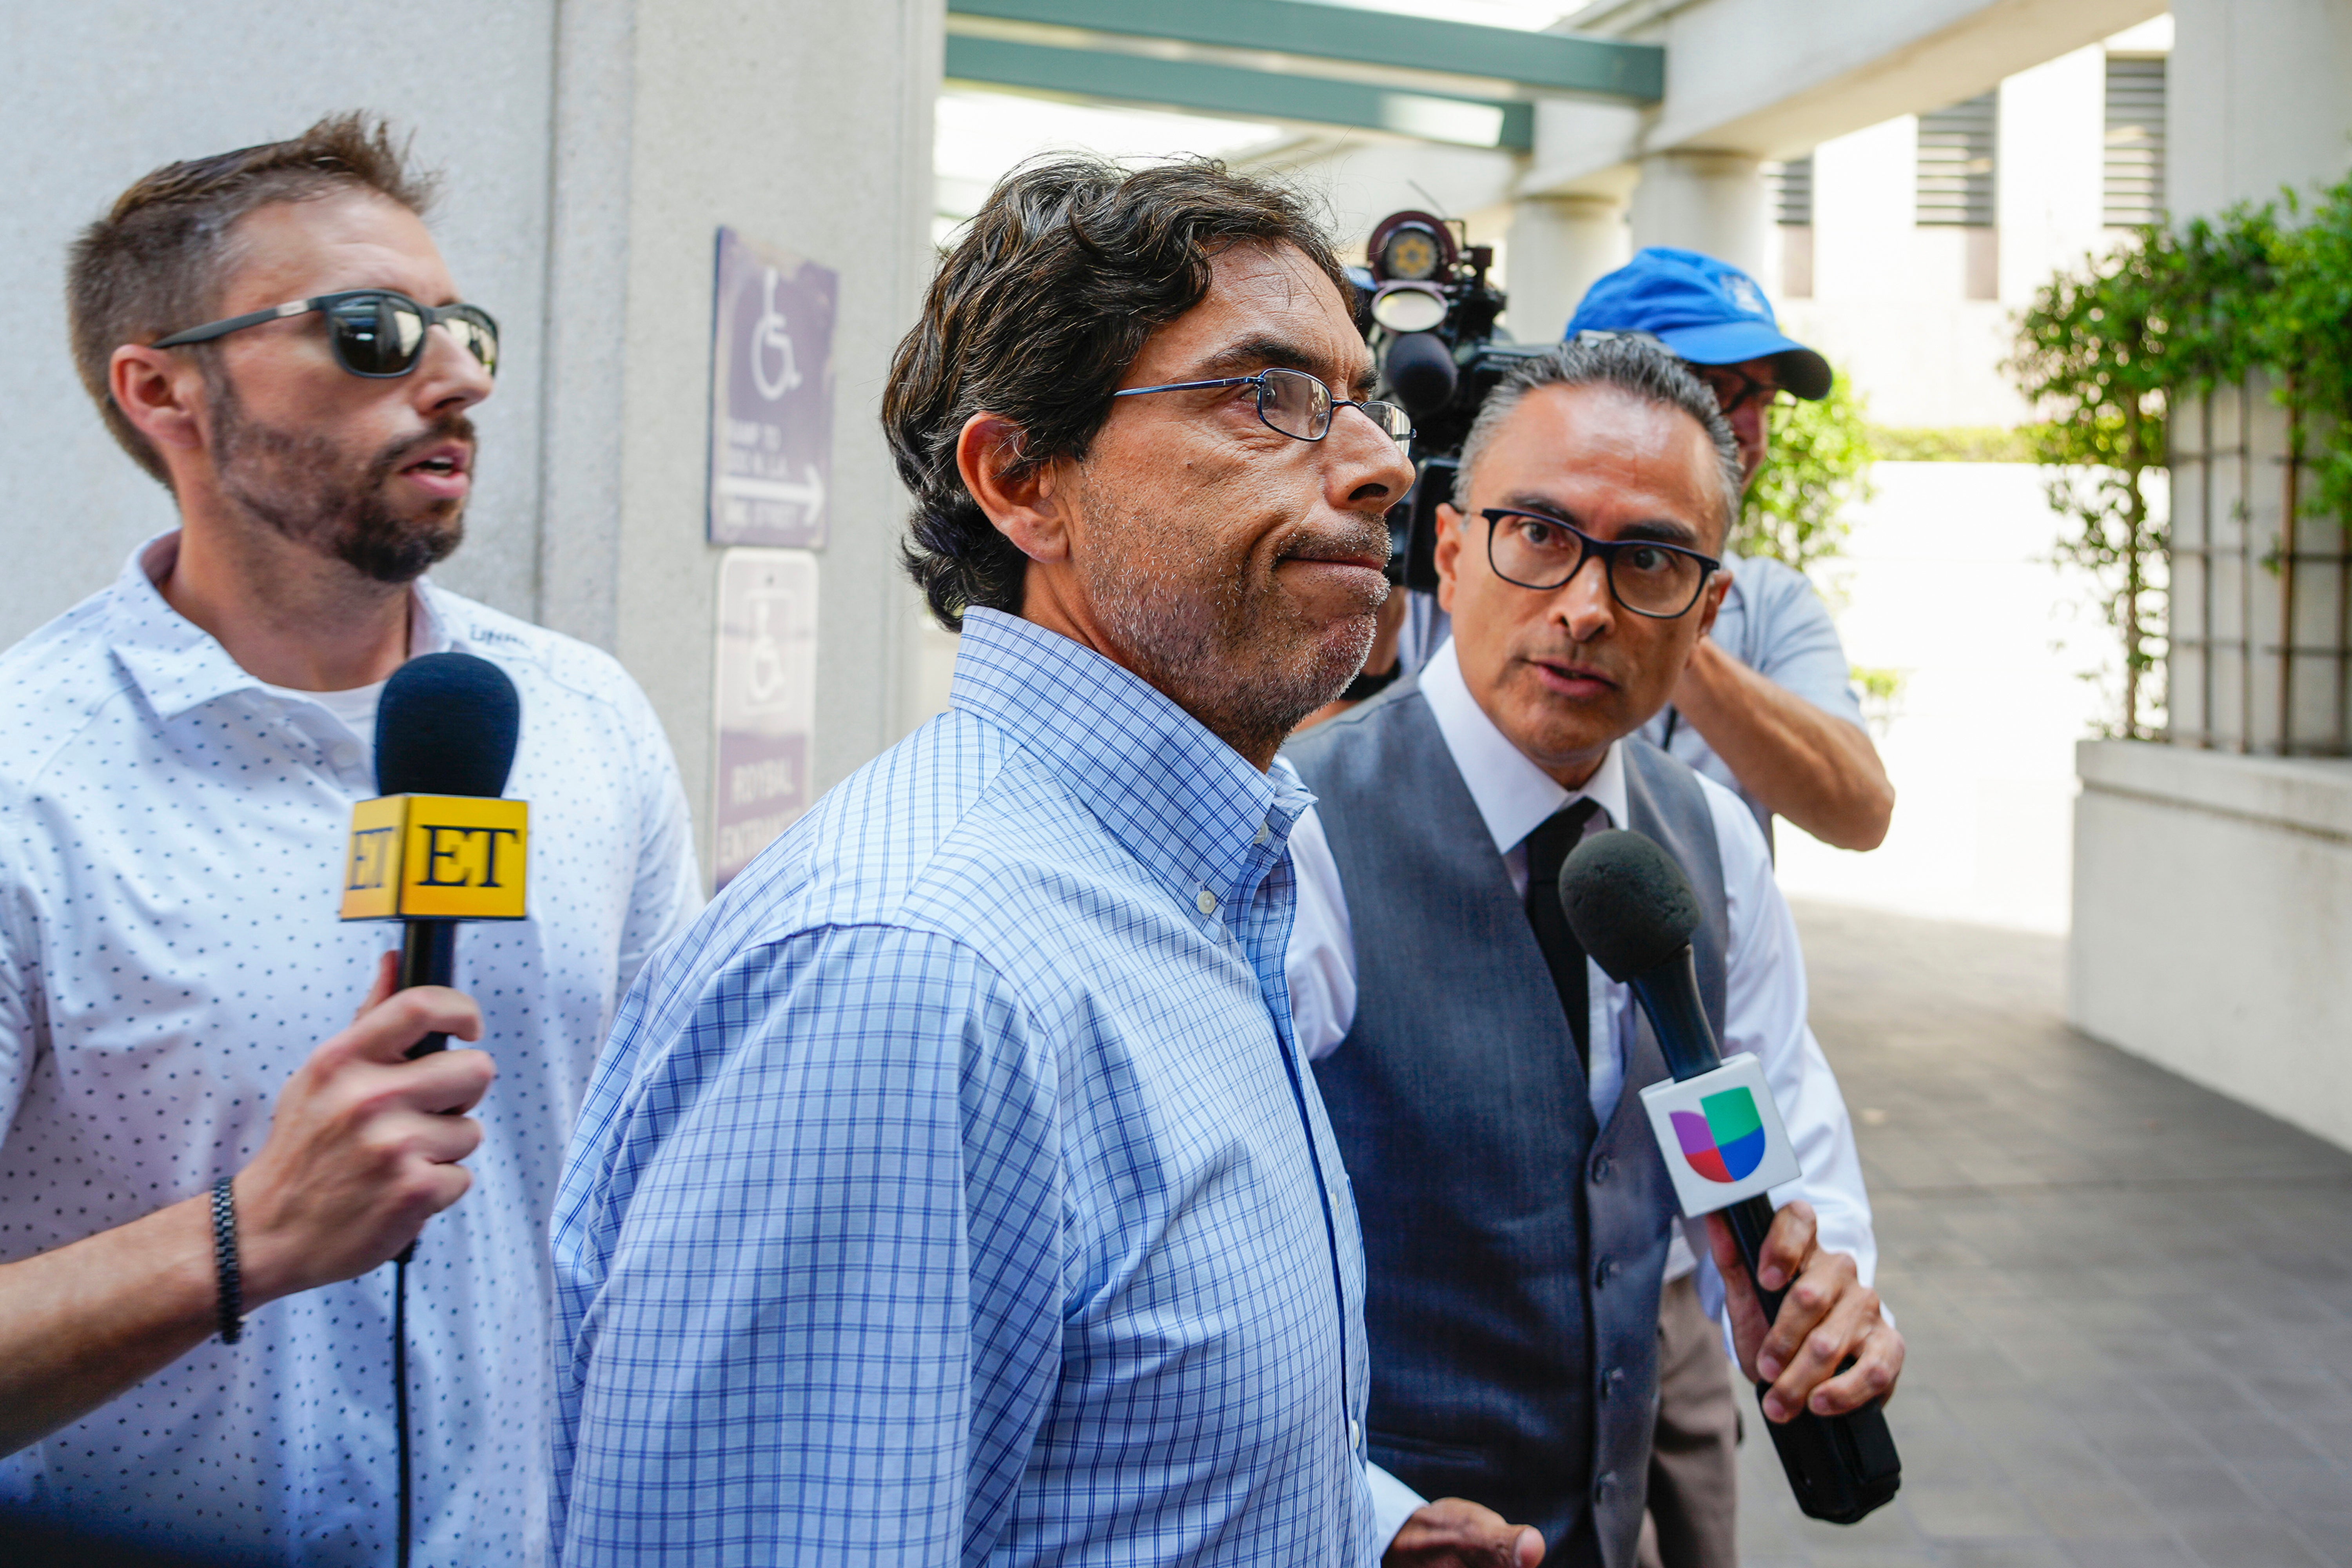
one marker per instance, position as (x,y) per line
(1902,174)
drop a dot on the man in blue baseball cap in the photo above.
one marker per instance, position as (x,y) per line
(1715,319)
(1765,708)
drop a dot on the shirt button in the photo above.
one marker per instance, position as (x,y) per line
(345,755)
(1207,902)
(1355,1435)
(1263,834)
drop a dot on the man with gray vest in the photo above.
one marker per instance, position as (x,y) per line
(1480,1073)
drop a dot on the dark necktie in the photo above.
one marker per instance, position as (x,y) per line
(1547,850)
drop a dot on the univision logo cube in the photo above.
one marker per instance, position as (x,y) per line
(1726,1141)
(1721,1135)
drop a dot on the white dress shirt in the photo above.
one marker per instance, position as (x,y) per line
(1764,997)
(170,953)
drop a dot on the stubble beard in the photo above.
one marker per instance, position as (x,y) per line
(303,487)
(1223,642)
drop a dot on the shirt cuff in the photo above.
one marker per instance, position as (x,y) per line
(1393,1502)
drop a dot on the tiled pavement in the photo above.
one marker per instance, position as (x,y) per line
(2129,1301)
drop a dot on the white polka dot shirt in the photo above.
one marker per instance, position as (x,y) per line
(170,953)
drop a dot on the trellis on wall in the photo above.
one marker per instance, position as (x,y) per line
(2261,654)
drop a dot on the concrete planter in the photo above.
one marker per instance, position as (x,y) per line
(2212,930)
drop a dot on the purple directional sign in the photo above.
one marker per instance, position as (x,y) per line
(767,700)
(771,396)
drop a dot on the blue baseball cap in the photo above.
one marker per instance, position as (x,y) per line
(1707,311)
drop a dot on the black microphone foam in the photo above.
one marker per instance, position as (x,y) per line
(1420,369)
(448,725)
(1627,902)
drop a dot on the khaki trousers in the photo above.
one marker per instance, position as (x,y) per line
(1694,1464)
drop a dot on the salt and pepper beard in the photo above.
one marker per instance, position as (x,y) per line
(303,485)
(1224,645)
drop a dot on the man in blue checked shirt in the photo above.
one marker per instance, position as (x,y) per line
(955,1190)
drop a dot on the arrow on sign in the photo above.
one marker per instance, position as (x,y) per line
(808,492)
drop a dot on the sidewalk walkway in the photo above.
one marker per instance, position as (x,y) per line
(2129,1301)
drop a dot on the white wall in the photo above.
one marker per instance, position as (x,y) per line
(1888,304)
(1946,580)
(2052,142)
(1889,297)
(2257,99)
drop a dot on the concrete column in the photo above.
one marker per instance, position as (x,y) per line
(806,126)
(2050,194)
(1557,246)
(1705,201)
(2255,99)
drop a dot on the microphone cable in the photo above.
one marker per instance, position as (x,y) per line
(447,725)
(400,1392)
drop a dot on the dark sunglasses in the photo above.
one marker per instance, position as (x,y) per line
(375,332)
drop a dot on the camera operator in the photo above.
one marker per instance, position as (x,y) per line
(1767,708)
(273,334)
(1481,1074)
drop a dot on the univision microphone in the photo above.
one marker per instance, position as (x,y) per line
(1716,1125)
(439,845)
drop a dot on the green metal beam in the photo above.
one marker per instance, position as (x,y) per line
(1249,94)
(1555,62)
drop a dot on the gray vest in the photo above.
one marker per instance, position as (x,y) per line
(1513,1248)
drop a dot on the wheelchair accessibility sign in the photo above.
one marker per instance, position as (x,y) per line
(767,700)
(771,396)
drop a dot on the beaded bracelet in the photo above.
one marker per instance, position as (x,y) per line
(232,1283)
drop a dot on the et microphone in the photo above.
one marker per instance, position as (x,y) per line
(1633,910)
(438,844)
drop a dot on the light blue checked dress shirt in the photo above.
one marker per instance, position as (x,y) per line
(954,1190)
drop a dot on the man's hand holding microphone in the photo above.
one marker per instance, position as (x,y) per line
(362,1150)
(365,1143)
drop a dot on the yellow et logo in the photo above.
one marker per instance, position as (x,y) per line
(436,857)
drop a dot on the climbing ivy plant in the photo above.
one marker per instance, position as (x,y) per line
(2105,348)
(1817,465)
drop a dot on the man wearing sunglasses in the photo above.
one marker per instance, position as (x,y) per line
(1482,1074)
(273,334)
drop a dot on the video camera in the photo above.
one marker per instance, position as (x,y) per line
(1427,311)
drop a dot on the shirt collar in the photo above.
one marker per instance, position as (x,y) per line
(178,664)
(1186,804)
(1514,796)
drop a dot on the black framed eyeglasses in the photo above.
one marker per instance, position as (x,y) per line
(1295,404)
(1734,388)
(1649,578)
(376,332)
